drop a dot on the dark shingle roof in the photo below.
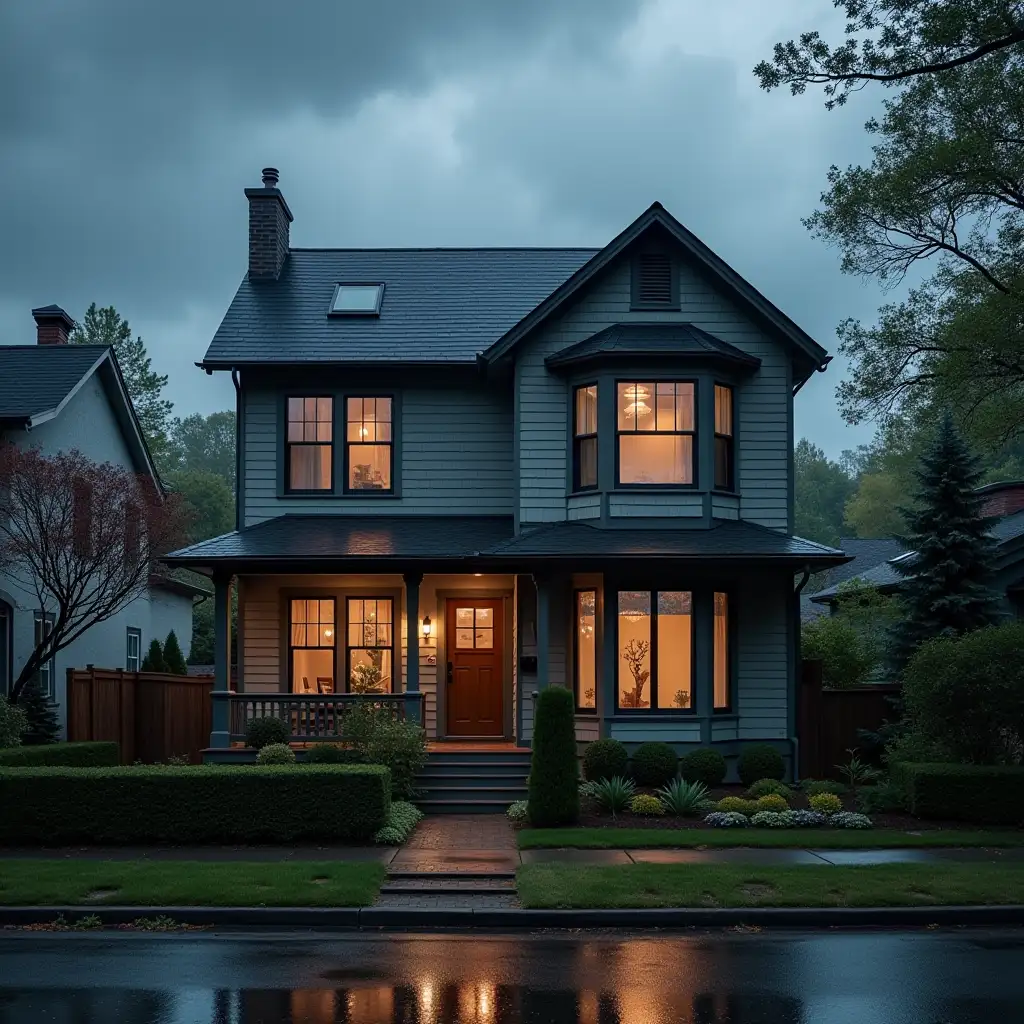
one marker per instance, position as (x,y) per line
(320,538)
(651,339)
(439,306)
(35,379)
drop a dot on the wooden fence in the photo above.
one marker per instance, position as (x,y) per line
(151,715)
(829,720)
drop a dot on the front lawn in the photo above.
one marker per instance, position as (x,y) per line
(803,838)
(189,883)
(573,886)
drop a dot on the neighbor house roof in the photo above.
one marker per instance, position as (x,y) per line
(295,538)
(639,339)
(439,305)
(37,380)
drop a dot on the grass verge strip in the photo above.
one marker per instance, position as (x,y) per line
(577,887)
(806,838)
(189,883)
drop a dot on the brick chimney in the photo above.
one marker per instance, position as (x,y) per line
(1003,498)
(53,325)
(269,218)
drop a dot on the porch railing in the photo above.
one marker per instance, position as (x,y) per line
(310,717)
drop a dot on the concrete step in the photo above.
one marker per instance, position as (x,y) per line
(471,781)
(465,805)
(474,768)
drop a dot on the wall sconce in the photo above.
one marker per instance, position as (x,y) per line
(426,627)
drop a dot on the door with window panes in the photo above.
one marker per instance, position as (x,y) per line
(475,680)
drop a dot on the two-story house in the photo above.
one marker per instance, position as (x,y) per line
(467,474)
(56,397)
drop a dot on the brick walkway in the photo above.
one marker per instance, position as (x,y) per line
(455,861)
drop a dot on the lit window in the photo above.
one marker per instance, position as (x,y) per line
(655,646)
(474,629)
(721,652)
(586,649)
(655,425)
(357,299)
(310,444)
(133,657)
(585,438)
(369,648)
(368,444)
(723,438)
(311,642)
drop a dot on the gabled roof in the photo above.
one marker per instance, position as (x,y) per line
(725,278)
(38,380)
(631,340)
(440,305)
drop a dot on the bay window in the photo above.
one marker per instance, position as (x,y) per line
(722,667)
(369,446)
(585,438)
(310,444)
(655,650)
(724,458)
(655,428)
(585,648)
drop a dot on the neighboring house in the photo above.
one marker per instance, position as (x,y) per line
(864,555)
(57,397)
(875,561)
(466,474)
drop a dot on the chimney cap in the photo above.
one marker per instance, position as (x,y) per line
(47,314)
(270,177)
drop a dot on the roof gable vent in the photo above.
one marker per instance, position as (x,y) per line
(654,285)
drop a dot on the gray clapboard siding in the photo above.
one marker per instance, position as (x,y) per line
(656,505)
(585,506)
(762,662)
(762,405)
(456,457)
(723,729)
(682,731)
(725,507)
(588,728)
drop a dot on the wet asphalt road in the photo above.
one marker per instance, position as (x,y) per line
(720,978)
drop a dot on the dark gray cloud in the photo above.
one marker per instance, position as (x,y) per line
(128,129)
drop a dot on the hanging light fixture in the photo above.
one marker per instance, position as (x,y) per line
(638,407)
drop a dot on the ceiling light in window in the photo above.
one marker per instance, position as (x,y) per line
(357,299)
(637,407)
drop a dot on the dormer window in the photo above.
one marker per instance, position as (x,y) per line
(357,300)
(654,282)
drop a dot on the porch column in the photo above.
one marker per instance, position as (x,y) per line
(220,735)
(543,585)
(412,643)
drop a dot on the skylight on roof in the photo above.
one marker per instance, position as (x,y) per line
(357,299)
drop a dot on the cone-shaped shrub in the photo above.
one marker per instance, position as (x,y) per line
(554,776)
(173,658)
(154,659)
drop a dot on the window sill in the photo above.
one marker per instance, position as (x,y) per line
(589,492)
(718,492)
(656,489)
(663,715)
(335,495)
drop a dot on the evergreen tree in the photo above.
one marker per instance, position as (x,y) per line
(154,659)
(107,327)
(173,658)
(42,725)
(947,591)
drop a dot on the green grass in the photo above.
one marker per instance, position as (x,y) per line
(189,883)
(814,838)
(549,886)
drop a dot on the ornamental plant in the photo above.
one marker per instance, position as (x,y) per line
(727,819)
(646,805)
(764,787)
(805,819)
(276,753)
(812,787)
(12,723)
(772,802)
(518,811)
(654,764)
(554,797)
(738,805)
(847,819)
(825,803)
(760,761)
(604,759)
(261,732)
(614,794)
(770,819)
(705,765)
(683,798)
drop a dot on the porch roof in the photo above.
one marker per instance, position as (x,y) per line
(292,541)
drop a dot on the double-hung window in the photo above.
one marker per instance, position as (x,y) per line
(585,650)
(369,445)
(585,438)
(725,472)
(312,639)
(43,628)
(369,647)
(133,654)
(655,650)
(655,427)
(310,445)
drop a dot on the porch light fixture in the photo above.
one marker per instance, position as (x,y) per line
(426,627)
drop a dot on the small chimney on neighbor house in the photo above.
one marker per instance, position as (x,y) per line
(269,218)
(53,325)
(1002,499)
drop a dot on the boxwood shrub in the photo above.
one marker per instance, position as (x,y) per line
(985,794)
(654,764)
(760,761)
(196,804)
(93,754)
(604,759)
(705,765)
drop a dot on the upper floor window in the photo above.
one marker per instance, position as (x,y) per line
(655,428)
(655,650)
(585,438)
(310,444)
(369,461)
(724,455)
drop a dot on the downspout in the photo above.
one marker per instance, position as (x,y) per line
(794,741)
(239,434)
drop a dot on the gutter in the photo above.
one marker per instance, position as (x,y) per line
(239,434)
(819,369)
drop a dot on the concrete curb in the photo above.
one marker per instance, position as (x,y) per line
(406,918)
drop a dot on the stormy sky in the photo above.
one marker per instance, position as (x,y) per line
(128,129)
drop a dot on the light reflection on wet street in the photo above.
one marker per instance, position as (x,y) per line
(864,977)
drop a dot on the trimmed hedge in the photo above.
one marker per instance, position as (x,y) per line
(93,754)
(554,797)
(760,761)
(985,794)
(604,759)
(705,764)
(200,804)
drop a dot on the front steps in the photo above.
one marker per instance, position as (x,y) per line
(472,782)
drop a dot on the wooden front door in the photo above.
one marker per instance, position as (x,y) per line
(475,647)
